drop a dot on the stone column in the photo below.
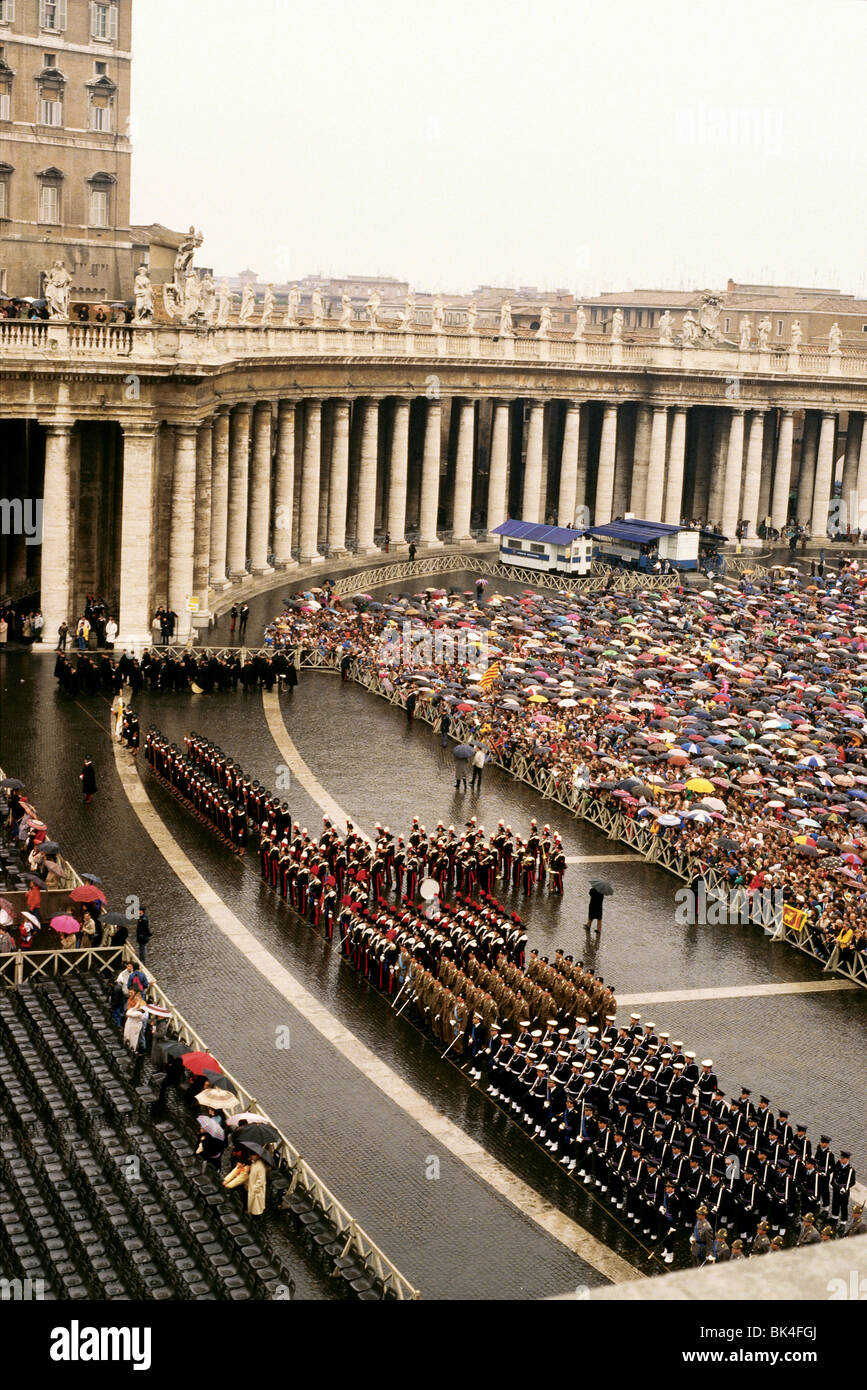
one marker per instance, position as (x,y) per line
(464,472)
(55,595)
(824,475)
(531,503)
(676,457)
(499,467)
(367,477)
(309,532)
(807,474)
(202,543)
(656,464)
(260,489)
(769,448)
(339,490)
(139,477)
(567,500)
(430,477)
(397,476)
(700,504)
(721,425)
(849,484)
(239,464)
(734,468)
(753,476)
(623,456)
(182,528)
(640,461)
(860,520)
(783,471)
(284,485)
(219,499)
(605,473)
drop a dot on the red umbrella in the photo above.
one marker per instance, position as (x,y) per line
(87,894)
(198,1062)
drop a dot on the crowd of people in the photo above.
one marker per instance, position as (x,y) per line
(21,626)
(728,721)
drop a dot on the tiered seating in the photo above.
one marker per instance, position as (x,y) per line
(97,1199)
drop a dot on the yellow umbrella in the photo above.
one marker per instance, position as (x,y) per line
(700,784)
(537,700)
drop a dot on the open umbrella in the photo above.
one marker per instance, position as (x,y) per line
(601,885)
(216,1099)
(257,1149)
(197,1062)
(34,878)
(217,1078)
(92,878)
(65,925)
(212,1126)
(116,919)
(12,783)
(87,893)
(259,1132)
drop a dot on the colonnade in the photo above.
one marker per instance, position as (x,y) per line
(270,484)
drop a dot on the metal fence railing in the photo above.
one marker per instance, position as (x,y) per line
(19,967)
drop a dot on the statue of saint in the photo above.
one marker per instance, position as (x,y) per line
(617,326)
(293,299)
(407,317)
(544,329)
(797,335)
(192,310)
(746,331)
(373,304)
(57,283)
(345,311)
(666,329)
(472,315)
(316,308)
(765,327)
(185,253)
(248,304)
(224,304)
(580,324)
(506,329)
(209,297)
(689,329)
(438,315)
(144,297)
(835,340)
(267,306)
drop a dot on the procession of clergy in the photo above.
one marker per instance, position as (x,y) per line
(625,1110)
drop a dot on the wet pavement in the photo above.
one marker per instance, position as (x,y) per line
(453,1236)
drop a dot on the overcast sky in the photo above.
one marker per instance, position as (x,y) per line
(576,143)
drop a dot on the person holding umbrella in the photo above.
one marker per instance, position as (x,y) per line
(212,1141)
(253,1175)
(600,889)
(462,754)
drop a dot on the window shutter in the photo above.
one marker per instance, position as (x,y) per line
(61,14)
(94,32)
(112,23)
(43,14)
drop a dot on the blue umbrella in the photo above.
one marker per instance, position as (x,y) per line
(463,750)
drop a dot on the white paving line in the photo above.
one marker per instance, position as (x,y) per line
(684,996)
(483,1164)
(300,769)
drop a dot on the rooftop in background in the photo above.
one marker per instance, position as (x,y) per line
(544,535)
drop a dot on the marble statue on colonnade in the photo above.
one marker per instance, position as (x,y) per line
(666,329)
(797,335)
(472,315)
(765,327)
(248,304)
(144,297)
(709,311)
(57,283)
(316,308)
(224,304)
(345,310)
(746,331)
(192,311)
(544,329)
(835,340)
(506,329)
(182,297)
(209,298)
(293,300)
(689,329)
(268,303)
(373,304)
(617,326)
(438,315)
(407,316)
(580,324)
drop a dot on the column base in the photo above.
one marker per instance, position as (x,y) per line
(462,540)
(239,577)
(396,548)
(217,586)
(337,552)
(129,641)
(435,544)
(368,550)
(283,565)
(257,570)
(316,559)
(201,621)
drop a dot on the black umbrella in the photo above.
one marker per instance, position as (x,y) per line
(217,1078)
(48,847)
(601,885)
(92,878)
(34,878)
(257,1149)
(115,919)
(12,783)
(258,1132)
(463,750)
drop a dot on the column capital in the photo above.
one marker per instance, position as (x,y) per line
(57,427)
(242,408)
(262,406)
(785,410)
(738,410)
(139,429)
(829,414)
(187,429)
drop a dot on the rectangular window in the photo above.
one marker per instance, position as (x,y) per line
(537,549)
(779,328)
(103,21)
(49,203)
(50,111)
(99,207)
(5,105)
(49,60)
(2,282)
(100,115)
(4,198)
(727,326)
(52,15)
(650,319)
(100,69)
(7,11)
